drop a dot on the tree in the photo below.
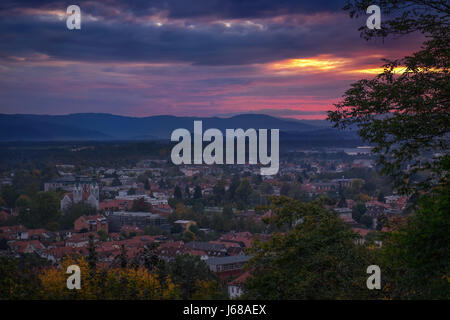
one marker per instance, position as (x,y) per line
(243,191)
(44,210)
(177,193)
(150,257)
(146,184)
(380,197)
(116,182)
(187,271)
(366,220)
(123,257)
(111,284)
(316,259)
(342,203)
(219,191)
(227,211)
(415,255)
(23,204)
(284,190)
(234,184)
(187,193)
(73,212)
(2,202)
(19,279)
(197,192)
(405,114)
(140,205)
(266,188)
(358,211)
(92,255)
(9,194)
(103,235)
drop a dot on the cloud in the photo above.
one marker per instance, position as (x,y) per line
(185,9)
(207,45)
(183,57)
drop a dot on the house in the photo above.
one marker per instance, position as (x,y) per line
(116,205)
(4,214)
(27,246)
(209,249)
(167,251)
(80,240)
(41,235)
(16,232)
(244,239)
(229,266)
(343,212)
(91,223)
(235,286)
(362,234)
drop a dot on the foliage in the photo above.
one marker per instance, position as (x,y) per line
(18,280)
(193,277)
(73,212)
(405,114)
(317,258)
(123,283)
(140,205)
(416,256)
(44,211)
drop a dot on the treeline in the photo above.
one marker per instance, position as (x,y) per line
(39,155)
(143,278)
(317,256)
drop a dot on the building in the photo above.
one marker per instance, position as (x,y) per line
(207,248)
(91,223)
(226,267)
(81,193)
(117,220)
(68,183)
(344,212)
(235,286)
(185,224)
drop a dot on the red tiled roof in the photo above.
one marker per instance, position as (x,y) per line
(361,232)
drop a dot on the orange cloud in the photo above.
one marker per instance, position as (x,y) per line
(327,63)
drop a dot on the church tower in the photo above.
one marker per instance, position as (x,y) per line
(93,190)
(77,193)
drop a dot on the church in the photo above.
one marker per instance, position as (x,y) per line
(82,193)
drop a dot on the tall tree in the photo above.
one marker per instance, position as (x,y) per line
(404,110)
(198,192)
(45,210)
(317,258)
(92,255)
(177,193)
(415,256)
(187,271)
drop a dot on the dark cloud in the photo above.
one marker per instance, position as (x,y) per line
(178,56)
(212,43)
(203,45)
(237,9)
(225,9)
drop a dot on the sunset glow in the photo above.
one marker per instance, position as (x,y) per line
(167,60)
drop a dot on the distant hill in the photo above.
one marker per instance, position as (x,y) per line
(95,126)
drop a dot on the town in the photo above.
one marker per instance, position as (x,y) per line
(210,212)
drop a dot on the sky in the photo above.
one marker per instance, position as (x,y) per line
(286,58)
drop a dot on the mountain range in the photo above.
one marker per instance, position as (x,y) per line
(100,127)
